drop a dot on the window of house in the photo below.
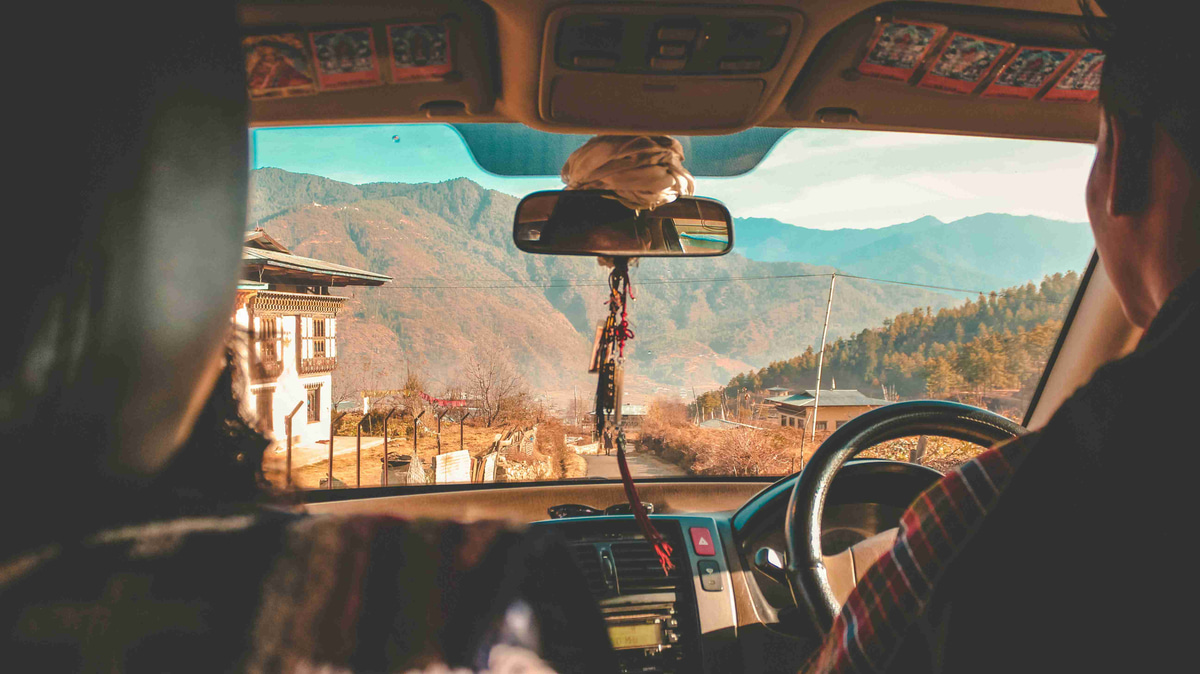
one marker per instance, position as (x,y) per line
(838,424)
(318,333)
(268,333)
(264,405)
(314,402)
(783,421)
(822,425)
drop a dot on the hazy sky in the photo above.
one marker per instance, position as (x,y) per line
(822,178)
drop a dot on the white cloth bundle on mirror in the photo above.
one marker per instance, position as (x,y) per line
(644,172)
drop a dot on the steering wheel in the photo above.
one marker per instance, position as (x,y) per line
(806,572)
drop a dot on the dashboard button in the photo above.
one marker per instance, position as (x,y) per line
(663,63)
(702,541)
(673,49)
(710,575)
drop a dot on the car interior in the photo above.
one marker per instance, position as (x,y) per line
(754,589)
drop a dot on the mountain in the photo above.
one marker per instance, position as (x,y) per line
(1014,249)
(462,288)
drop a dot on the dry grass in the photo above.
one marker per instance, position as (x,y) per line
(943,454)
(772,451)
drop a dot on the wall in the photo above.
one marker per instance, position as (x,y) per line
(289,389)
(830,415)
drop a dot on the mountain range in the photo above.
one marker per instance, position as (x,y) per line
(462,288)
(1012,249)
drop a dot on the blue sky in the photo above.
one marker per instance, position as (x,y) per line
(821,178)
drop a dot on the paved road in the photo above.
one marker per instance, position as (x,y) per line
(641,464)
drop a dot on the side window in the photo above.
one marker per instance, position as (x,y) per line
(838,424)
(822,425)
(314,402)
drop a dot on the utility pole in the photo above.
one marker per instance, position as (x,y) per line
(820,365)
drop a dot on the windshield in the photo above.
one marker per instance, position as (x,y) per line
(388,306)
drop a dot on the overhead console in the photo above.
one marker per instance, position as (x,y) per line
(636,68)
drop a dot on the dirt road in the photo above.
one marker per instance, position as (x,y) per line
(641,464)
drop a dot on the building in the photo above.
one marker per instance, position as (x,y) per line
(632,416)
(284,304)
(836,407)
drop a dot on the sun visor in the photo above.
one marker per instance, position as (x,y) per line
(329,63)
(933,68)
(516,150)
(632,68)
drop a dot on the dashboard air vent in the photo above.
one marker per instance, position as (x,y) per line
(588,559)
(638,569)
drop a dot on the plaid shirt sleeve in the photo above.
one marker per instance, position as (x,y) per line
(868,632)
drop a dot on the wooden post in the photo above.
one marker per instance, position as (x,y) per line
(385,445)
(358,451)
(461,423)
(439,431)
(415,420)
(333,419)
(287,428)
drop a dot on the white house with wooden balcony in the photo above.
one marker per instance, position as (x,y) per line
(284,304)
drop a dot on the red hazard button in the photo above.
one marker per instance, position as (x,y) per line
(702,541)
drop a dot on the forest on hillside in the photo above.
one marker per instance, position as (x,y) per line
(990,350)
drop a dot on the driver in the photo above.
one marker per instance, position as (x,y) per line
(1057,551)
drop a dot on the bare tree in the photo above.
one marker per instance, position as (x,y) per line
(354,377)
(494,387)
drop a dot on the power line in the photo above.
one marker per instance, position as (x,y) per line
(466,284)
(571,283)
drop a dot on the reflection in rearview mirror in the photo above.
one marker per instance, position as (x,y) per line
(592,222)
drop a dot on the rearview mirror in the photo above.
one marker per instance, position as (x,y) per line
(593,222)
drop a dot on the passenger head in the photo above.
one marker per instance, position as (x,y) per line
(1143,194)
(129,270)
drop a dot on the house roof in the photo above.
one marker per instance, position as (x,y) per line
(265,259)
(724,425)
(829,398)
(257,238)
(779,388)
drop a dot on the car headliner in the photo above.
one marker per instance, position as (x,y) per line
(506,38)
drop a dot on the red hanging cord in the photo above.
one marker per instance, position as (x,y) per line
(653,537)
(620,289)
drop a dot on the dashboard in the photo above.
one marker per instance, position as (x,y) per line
(745,621)
(726,606)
